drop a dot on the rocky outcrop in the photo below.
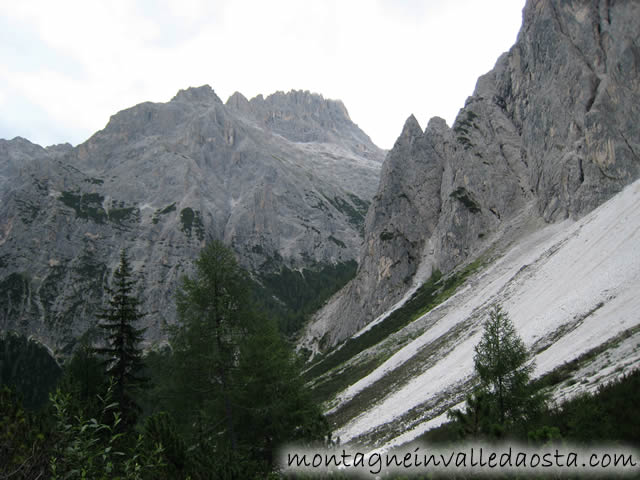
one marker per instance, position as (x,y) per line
(162,178)
(553,124)
(301,116)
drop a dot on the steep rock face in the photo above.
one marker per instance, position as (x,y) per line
(301,116)
(571,86)
(553,124)
(161,179)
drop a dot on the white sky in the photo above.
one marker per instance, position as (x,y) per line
(66,66)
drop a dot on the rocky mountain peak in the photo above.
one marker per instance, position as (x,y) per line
(203,94)
(305,117)
(549,133)
(437,124)
(239,103)
(304,102)
(410,131)
(161,179)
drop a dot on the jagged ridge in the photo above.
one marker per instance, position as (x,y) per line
(553,124)
(162,178)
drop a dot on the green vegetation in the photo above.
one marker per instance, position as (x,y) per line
(123,353)
(386,236)
(232,374)
(28,211)
(505,399)
(23,447)
(361,205)
(225,394)
(610,414)
(120,215)
(89,206)
(28,369)
(501,362)
(564,372)
(432,293)
(299,293)
(86,205)
(466,199)
(507,405)
(338,242)
(15,289)
(163,211)
(462,128)
(191,219)
(355,214)
(94,181)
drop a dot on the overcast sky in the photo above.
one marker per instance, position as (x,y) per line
(67,66)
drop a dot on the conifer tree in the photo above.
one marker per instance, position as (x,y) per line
(212,308)
(123,352)
(501,363)
(274,404)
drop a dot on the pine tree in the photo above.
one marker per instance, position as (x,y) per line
(123,352)
(501,363)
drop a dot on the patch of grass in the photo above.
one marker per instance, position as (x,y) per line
(354,215)
(432,293)
(427,356)
(163,211)
(545,342)
(361,205)
(566,370)
(338,381)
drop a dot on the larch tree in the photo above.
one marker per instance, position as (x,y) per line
(501,361)
(212,308)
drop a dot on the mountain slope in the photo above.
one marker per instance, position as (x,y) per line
(159,180)
(554,124)
(570,289)
(527,200)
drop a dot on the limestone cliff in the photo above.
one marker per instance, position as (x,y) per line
(553,126)
(285,181)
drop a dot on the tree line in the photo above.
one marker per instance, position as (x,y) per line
(226,391)
(216,401)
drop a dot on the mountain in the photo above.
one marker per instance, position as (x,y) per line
(570,289)
(528,200)
(286,181)
(551,131)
